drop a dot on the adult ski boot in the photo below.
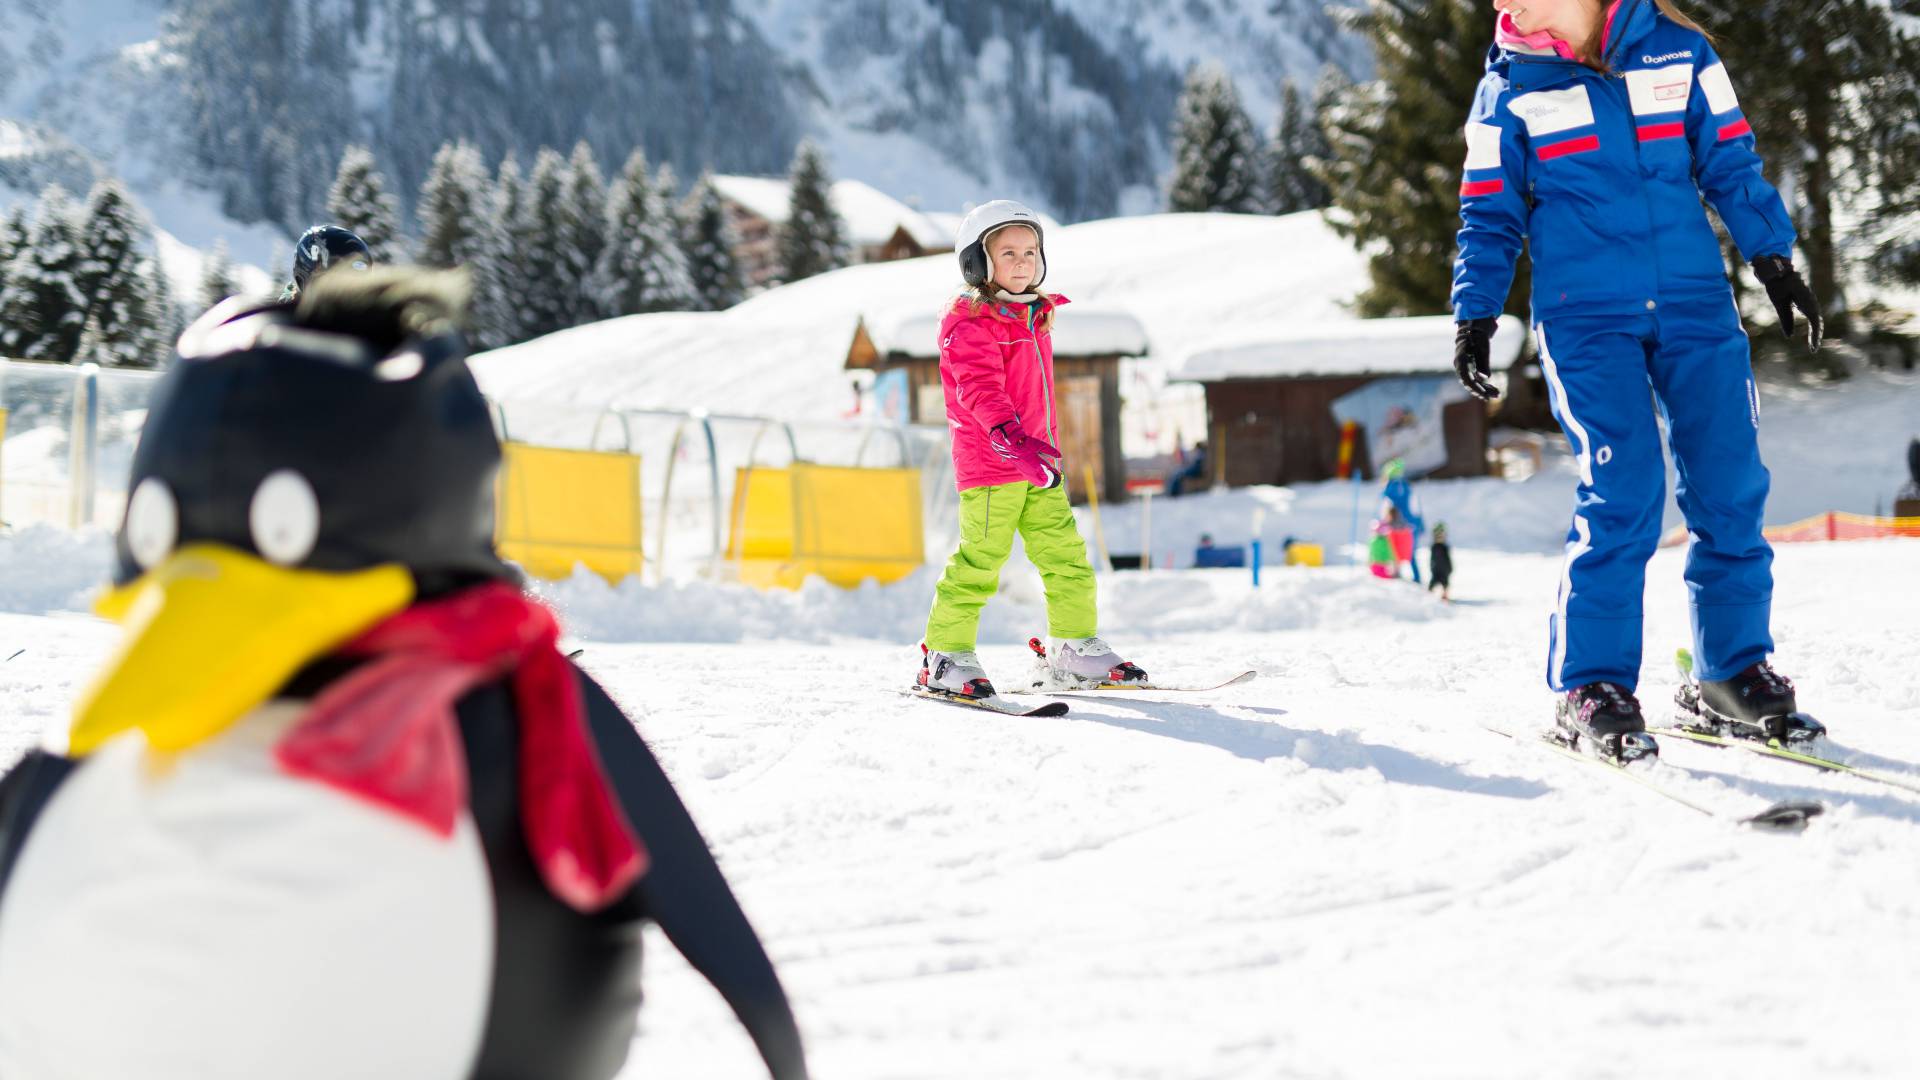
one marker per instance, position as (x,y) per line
(1758,704)
(1603,720)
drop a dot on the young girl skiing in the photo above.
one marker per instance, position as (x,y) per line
(1594,136)
(996,363)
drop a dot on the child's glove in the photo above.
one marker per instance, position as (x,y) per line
(1030,456)
(1788,291)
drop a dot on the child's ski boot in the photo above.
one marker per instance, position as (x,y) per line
(954,674)
(1084,663)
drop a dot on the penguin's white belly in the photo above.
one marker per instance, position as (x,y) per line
(203,916)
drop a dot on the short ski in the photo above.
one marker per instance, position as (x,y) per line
(1041,682)
(1693,723)
(1245,676)
(1780,817)
(996,703)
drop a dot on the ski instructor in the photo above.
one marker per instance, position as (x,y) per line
(1594,136)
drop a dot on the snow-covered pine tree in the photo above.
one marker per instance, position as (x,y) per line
(14,234)
(453,207)
(216,277)
(113,279)
(584,235)
(165,320)
(545,291)
(1396,148)
(360,202)
(708,240)
(1215,156)
(497,318)
(1297,142)
(812,239)
(1833,95)
(42,310)
(643,267)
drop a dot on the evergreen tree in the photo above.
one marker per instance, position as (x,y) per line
(498,319)
(584,237)
(113,278)
(42,310)
(545,291)
(1213,148)
(1297,144)
(13,240)
(164,317)
(453,207)
(216,277)
(708,241)
(1396,150)
(1832,94)
(360,202)
(644,268)
(812,239)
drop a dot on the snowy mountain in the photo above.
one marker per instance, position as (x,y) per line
(1062,102)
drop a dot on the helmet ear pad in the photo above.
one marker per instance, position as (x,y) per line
(973,264)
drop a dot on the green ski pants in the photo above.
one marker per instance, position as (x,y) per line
(989,516)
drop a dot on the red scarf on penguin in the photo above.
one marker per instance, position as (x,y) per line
(386,732)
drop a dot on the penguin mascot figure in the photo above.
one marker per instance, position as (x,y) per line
(337,807)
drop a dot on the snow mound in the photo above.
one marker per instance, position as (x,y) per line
(46,569)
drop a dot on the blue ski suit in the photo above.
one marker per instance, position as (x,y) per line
(1602,174)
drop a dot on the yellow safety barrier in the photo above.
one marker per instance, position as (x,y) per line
(1299,554)
(558,509)
(845,524)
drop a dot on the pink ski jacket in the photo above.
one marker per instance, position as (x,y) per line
(996,366)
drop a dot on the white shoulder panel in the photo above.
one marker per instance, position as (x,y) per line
(1548,111)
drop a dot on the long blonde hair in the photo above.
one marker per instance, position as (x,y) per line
(1597,41)
(977,297)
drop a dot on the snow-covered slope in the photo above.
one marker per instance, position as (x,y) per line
(783,352)
(1272,880)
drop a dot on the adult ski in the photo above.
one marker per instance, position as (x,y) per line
(1791,816)
(1693,723)
(994,703)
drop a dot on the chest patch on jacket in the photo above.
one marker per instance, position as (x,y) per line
(1548,111)
(1660,90)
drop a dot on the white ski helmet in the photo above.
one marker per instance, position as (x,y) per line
(979,225)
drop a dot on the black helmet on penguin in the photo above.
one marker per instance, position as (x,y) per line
(979,226)
(333,433)
(324,247)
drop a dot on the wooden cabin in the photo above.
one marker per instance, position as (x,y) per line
(1275,395)
(878,227)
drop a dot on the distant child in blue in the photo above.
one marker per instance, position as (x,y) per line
(1398,493)
(1596,133)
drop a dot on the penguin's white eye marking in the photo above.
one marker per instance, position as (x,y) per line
(153,522)
(284,517)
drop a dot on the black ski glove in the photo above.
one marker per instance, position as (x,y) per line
(1472,349)
(1787,292)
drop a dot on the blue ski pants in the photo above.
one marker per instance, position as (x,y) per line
(1609,376)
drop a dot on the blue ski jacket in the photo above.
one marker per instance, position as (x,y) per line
(1602,175)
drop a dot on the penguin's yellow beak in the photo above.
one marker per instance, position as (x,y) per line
(212,632)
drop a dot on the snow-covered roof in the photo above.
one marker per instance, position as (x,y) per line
(1292,349)
(1076,332)
(871,215)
